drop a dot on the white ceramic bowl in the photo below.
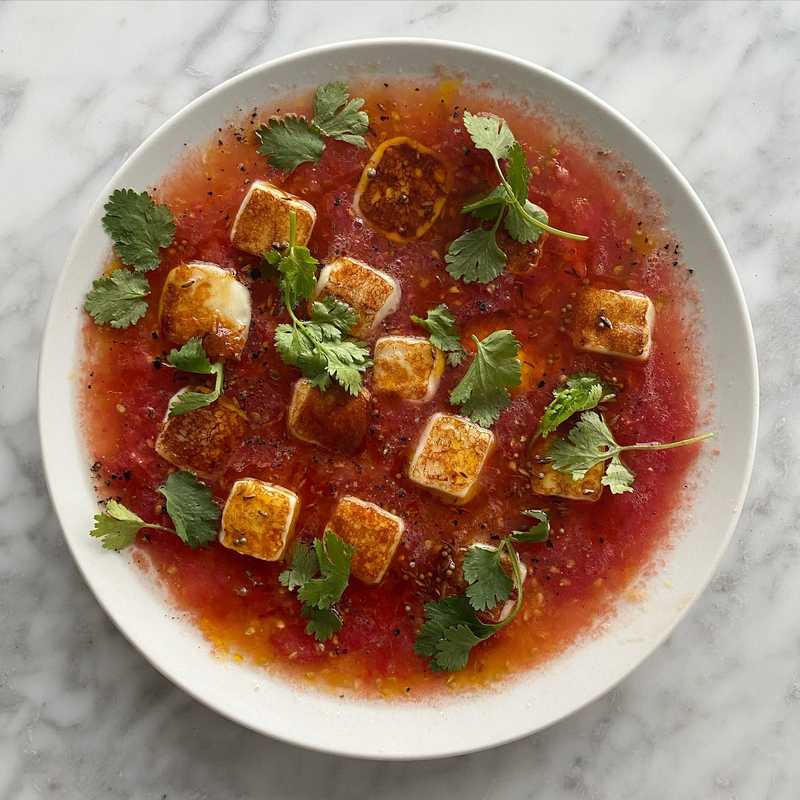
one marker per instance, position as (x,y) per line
(449,725)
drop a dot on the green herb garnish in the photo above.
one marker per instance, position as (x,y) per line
(452,627)
(318,347)
(138,227)
(190,505)
(475,255)
(581,392)
(320,575)
(590,442)
(441,325)
(118,299)
(483,391)
(192,358)
(292,140)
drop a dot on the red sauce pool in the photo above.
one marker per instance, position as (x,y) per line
(595,551)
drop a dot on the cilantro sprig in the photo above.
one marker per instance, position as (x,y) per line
(580,392)
(320,575)
(453,626)
(319,347)
(192,358)
(441,325)
(138,227)
(190,504)
(483,391)
(293,140)
(590,442)
(475,255)
(117,299)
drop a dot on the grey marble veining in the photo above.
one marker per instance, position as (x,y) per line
(715,713)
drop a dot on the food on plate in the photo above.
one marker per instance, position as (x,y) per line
(614,323)
(262,220)
(203,300)
(403,189)
(371,294)
(372,532)
(374,385)
(258,519)
(332,419)
(449,457)
(408,367)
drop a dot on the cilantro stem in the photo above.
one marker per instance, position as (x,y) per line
(578,237)
(516,568)
(660,445)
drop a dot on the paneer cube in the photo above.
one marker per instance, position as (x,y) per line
(202,299)
(204,440)
(449,457)
(373,533)
(407,366)
(372,294)
(263,219)
(332,419)
(258,519)
(547,480)
(614,323)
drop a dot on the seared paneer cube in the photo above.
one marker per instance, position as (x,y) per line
(372,294)
(373,533)
(203,440)
(263,219)
(449,457)
(614,323)
(547,480)
(407,366)
(202,299)
(258,519)
(333,419)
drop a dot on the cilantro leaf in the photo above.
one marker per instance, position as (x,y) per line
(293,140)
(517,172)
(332,316)
(475,256)
(322,622)
(330,557)
(452,628)
(483,391)
(192,358)
(488,582)
(540,532)
(117,299)
(441,325)
(333,557)
(304,567)
(453,649)
(297,267)
(117,526)
(319,350)
(520,228)
(581,392)
(288,142)
(190,505)
(489,132)
(339,117)
(138,227)
(618,477)
(590,442)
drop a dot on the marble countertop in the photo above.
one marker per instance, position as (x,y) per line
(714,713)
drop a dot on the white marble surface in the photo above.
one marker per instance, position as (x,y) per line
(715,713)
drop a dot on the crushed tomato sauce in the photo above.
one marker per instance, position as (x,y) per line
(596,549)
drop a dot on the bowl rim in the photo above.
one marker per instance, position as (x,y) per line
(465,49)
